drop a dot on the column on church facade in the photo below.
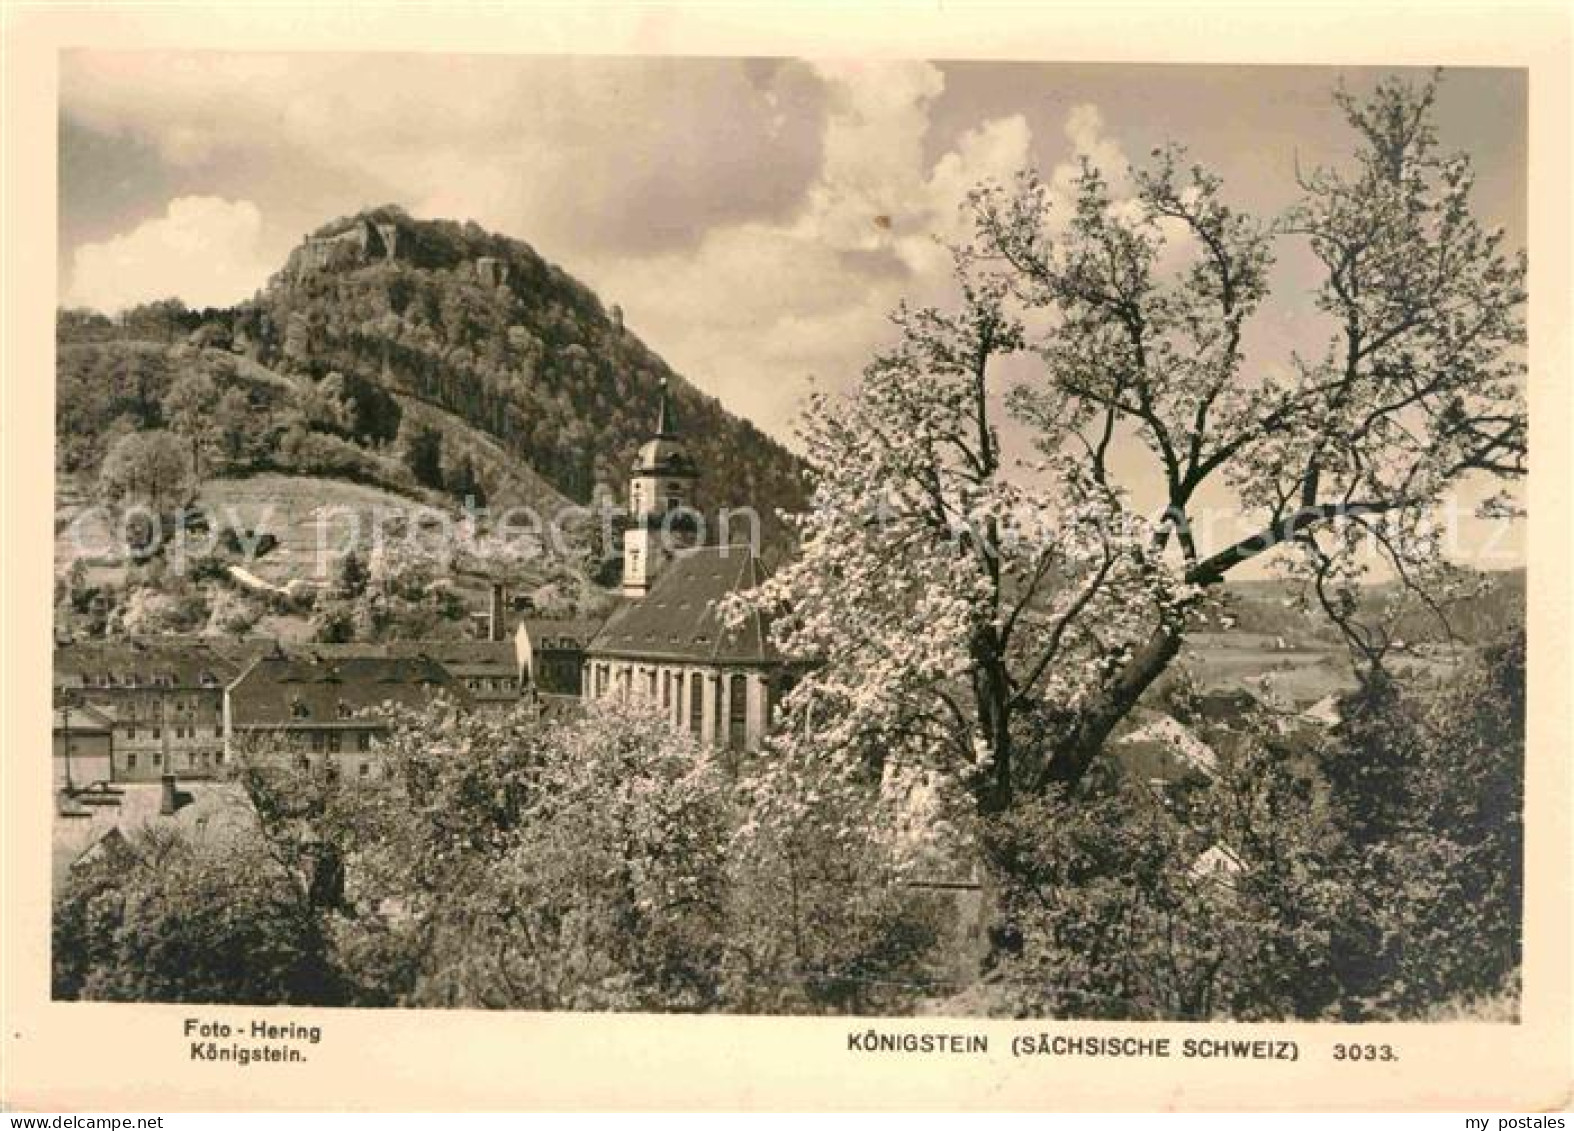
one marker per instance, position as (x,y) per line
(711,705)
(675,705)
(759,707)
(723,709)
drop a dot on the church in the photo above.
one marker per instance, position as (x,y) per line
(667,644)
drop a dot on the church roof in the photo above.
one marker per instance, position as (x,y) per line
(679,619)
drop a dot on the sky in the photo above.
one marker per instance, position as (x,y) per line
(756,219)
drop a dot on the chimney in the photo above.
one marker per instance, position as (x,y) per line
(167,806)
(494,612)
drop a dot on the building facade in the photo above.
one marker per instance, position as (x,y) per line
(321,709)
(164,697)
(551,652)
(84,739)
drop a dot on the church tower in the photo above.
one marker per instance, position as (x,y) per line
(662,482)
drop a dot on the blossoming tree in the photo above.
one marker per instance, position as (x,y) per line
(995,619)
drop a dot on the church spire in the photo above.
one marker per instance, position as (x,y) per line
(667,416)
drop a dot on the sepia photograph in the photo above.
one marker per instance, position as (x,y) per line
(858,537)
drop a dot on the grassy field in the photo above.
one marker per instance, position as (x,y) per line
(315,520)
(1296,671)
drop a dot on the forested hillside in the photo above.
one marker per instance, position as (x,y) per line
(417,323)
(480,325)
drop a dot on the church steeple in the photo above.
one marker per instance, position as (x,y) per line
(663,476)
(666,416)
(663,456)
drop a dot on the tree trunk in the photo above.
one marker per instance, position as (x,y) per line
(1074,754)
(992,692)
(998,730)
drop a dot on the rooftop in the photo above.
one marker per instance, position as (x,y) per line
(578,631)
(679,618)
(84,720)
(206,809)
(282,690)
(169,661)
(462,657)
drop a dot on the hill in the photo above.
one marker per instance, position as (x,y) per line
(1266,607)
(430,324)
(480,326)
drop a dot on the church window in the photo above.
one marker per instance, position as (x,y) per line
(696,703)
(737,712)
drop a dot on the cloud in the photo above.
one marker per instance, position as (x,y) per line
(204,250)
(757,309)
(570,153)
(757,220)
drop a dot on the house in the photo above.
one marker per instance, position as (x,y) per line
(1159,749)
(83,744)
(332,709)
(489,670)
(164,695)
(551,654)
(1324,713)
(1218,864)
(110,833)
